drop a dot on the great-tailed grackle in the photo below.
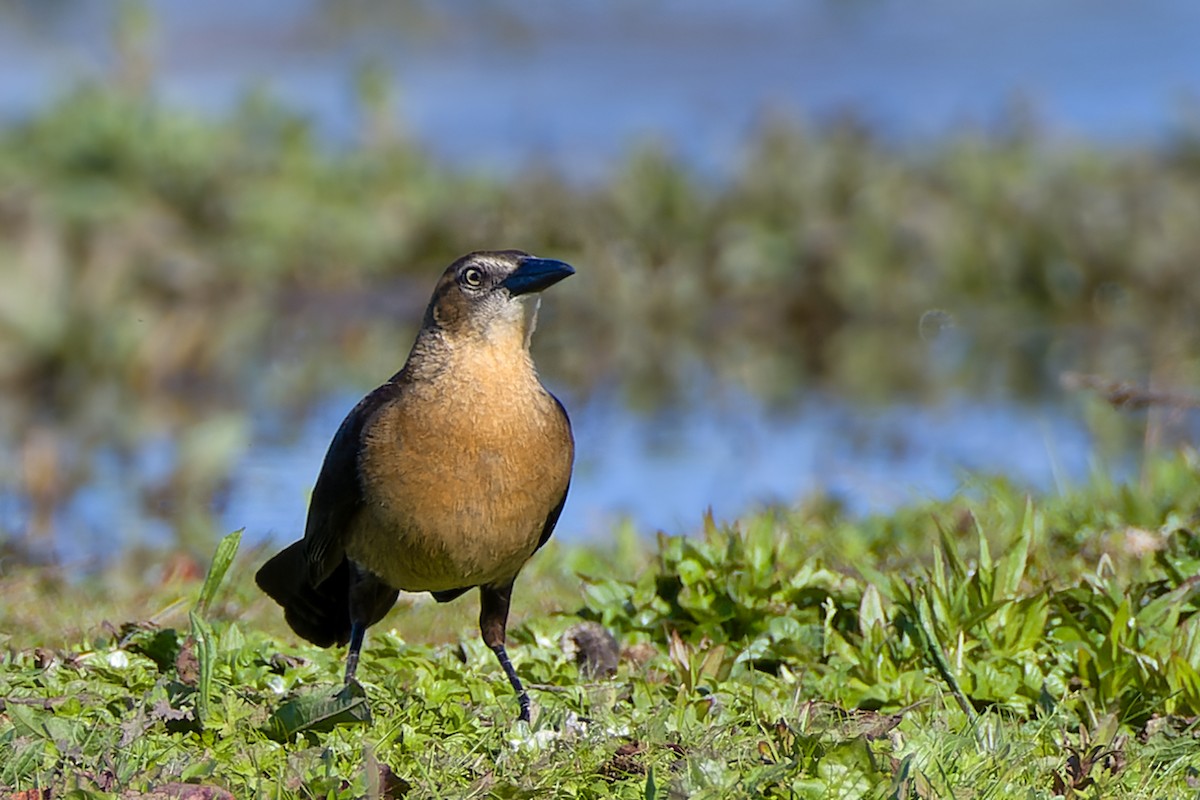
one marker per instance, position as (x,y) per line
(446,478)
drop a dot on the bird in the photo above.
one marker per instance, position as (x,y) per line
(446,478)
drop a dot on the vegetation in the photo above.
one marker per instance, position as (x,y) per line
(150,249)
(989,646)
(166,277)
(201,270)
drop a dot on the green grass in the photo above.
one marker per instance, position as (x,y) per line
(989,646)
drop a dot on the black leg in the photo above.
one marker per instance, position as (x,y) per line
(511,672)
(370,599)
(357,630)
(493,617)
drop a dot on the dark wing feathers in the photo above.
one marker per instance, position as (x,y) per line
(312,578)
(552,517)
(338,493)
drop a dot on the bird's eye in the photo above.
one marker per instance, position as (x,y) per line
(472,277)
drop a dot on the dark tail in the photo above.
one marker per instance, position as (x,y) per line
(321,614)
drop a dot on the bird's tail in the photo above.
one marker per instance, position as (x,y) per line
(320,613)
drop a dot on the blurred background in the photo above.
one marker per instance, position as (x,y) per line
(846,253)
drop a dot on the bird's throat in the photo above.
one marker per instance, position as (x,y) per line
(531,318)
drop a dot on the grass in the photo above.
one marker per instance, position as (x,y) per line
(992,646)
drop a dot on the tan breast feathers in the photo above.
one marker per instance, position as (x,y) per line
(461,475)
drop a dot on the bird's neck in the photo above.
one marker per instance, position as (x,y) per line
(498,355)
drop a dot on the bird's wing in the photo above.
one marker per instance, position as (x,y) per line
(552,517)
(338,495)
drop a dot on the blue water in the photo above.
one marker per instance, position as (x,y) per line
(503,84)
(499,84)
(730,454)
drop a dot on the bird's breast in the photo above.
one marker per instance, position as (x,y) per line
(458,479)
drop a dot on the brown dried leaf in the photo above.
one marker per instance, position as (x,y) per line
(165,712)
(187,665)
(639,654)
(592,648)
(626,762)
(181,791)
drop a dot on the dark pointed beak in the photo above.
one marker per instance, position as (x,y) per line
(536,274)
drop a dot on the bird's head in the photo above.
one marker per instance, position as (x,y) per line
(482,292)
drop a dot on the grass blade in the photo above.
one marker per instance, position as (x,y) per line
(1010,570)
(222,558)
(202,635)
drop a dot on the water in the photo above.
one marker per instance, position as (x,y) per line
(729,453)
(499,85)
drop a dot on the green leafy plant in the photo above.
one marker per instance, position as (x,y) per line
(789,654)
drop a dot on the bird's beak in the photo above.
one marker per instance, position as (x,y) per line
(536,274)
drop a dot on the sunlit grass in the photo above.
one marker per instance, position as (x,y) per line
(1016,646)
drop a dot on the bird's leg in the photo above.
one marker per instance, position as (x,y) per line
(358,620)
(493,617)
(511,672)
(357,630)
(370,599)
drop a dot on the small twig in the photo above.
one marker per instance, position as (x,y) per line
(1123,394)
(44,703)
(549,687)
